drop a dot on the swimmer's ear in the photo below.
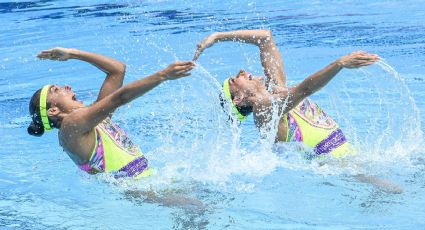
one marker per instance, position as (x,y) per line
(237,100)
(54,111)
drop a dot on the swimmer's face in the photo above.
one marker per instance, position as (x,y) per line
(245,84)
(63,97)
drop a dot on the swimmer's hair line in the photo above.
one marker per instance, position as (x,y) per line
(228,96)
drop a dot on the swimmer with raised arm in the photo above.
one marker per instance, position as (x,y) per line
(86,133)
(301,119)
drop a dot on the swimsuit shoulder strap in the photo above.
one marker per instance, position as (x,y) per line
(96,162)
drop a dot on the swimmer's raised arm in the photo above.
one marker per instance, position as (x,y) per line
(316,81)
(115,70)
(271,59)
(83,120)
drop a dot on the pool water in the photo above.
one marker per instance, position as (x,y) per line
(229,176)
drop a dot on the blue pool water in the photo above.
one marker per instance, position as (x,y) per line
(243,183)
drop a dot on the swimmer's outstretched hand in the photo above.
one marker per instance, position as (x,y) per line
(205,43)
(177,70)
(57,53)
(358,59)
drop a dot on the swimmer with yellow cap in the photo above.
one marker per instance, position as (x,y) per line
(87,133)
(302,120)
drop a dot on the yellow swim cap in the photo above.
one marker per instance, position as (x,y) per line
(228,96)
(43,108)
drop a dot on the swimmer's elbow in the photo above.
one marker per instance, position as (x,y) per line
(119,68)
(308,91)
(122,68)
(266,35)
(121,97)
(303,90)
(265,38)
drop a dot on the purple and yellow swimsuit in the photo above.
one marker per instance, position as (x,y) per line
(115,153)
(309,124)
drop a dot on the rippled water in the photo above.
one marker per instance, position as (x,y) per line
(243,183)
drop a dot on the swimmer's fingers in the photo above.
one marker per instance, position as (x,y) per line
(368,58)
(204,44)
(183,63)
(362,55)
(184,70)
(178,69)
(358,59)
(45,54)
(196,56)
(181,68)
(367,63)
(365,55)
(184,67)
(198,52)
(184,74)
(57,54)
(178,75)
(358,64)
(359,52)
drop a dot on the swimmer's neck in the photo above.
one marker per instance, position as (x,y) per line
(63,114)
(262,98)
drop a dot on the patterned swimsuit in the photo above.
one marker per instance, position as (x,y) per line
(309,124)
(115,152)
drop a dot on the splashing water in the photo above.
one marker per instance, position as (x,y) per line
(204,146)
(222,157)
(182,129)
(380,117)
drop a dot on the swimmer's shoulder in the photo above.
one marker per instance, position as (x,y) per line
(79,146)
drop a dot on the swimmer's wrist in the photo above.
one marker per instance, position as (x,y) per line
(339,63)
(74,53)
(162,76)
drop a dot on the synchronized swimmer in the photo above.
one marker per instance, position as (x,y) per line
(87,133)
(97,145)
(302,120)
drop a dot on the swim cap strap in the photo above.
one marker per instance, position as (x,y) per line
(43,108)
(226,90)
